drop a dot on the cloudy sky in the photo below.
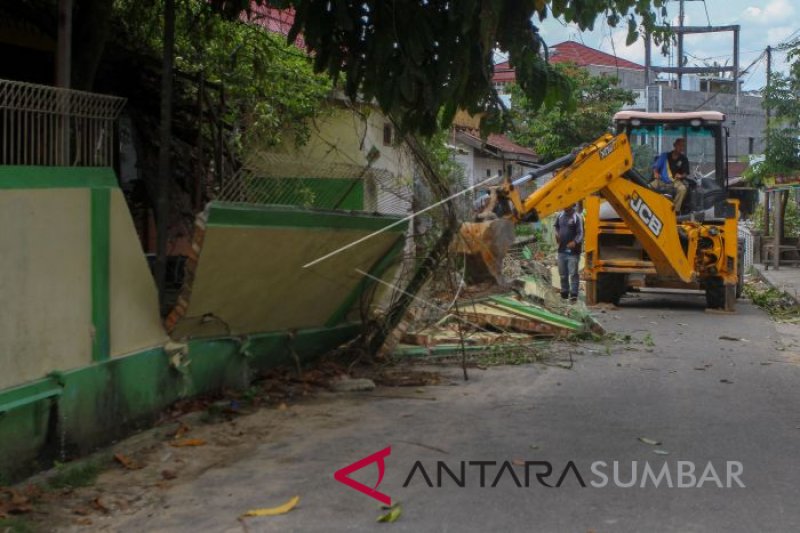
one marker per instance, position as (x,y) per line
(762,23)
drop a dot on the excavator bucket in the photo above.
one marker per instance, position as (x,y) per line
(484,245)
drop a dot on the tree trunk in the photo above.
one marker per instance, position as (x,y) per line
(164,166)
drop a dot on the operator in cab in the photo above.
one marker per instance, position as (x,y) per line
(672,168)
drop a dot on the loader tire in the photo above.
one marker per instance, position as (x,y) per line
(715,293)
(610,287)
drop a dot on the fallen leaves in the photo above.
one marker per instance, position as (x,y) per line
(274,511)
(14,502)
(182,430)
(98,505)
(187,442)
(127,462)
(394,513)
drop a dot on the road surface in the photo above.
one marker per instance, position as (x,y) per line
(731,403)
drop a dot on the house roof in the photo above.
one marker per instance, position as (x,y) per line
(274,20)
(570,51)
(496,144)
(584,56)
(736,169)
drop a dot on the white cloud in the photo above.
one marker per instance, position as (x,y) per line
(773,12)
(634,52)
(767,22)
(778,34)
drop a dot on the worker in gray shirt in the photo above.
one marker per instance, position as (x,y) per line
(569,236)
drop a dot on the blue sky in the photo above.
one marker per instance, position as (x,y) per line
(762,23)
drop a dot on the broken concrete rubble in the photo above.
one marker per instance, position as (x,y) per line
(502,318)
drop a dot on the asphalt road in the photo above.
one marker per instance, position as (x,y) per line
(705,399)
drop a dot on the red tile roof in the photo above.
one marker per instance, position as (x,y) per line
(274,20)
(736,168)
(497,142)
(583,56)
(503,143)
(577,53)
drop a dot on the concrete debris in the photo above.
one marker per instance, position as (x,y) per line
(495,319)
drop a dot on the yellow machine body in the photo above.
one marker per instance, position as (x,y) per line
(648,245)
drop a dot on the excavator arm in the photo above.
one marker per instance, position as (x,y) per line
(602,167)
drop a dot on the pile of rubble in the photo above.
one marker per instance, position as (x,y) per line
(490,316)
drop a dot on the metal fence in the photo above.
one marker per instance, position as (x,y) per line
(50,126)
(282,179)
(746,237)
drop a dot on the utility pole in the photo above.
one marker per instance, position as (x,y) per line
(681,15)
(679,69)
(769,75)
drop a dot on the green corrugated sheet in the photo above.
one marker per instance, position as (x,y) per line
(537,313)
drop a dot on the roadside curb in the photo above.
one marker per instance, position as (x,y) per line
(788,287)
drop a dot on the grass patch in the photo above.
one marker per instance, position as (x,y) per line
(507,356)
(16,525)
(73,475)
(776,303)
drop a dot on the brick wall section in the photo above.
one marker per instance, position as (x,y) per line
(182,305)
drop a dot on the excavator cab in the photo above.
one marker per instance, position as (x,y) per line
(652,134)
(617,261)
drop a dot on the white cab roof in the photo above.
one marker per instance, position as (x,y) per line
(708,116)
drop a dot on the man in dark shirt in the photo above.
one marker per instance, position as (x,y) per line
(673,167)
(569,236)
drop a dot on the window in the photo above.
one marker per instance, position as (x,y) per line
(750,143)
(488,173)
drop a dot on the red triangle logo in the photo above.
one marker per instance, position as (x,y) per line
(343,475)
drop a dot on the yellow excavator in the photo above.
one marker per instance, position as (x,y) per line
(633,237)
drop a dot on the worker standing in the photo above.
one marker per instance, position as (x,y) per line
(569,236)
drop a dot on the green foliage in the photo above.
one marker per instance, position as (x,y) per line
(778,304)
(422,61)
(80,474)
(16,525)
(643,156)
(555,131)
(791,221)
(782,156)
(440,157)
(270,87)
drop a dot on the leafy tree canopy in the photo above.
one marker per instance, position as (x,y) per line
(270,87)
(556,130)
(422,60)
(782,100)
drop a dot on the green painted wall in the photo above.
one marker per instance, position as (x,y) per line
(83,301)
(72,413)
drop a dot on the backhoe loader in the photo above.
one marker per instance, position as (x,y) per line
(633,237)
